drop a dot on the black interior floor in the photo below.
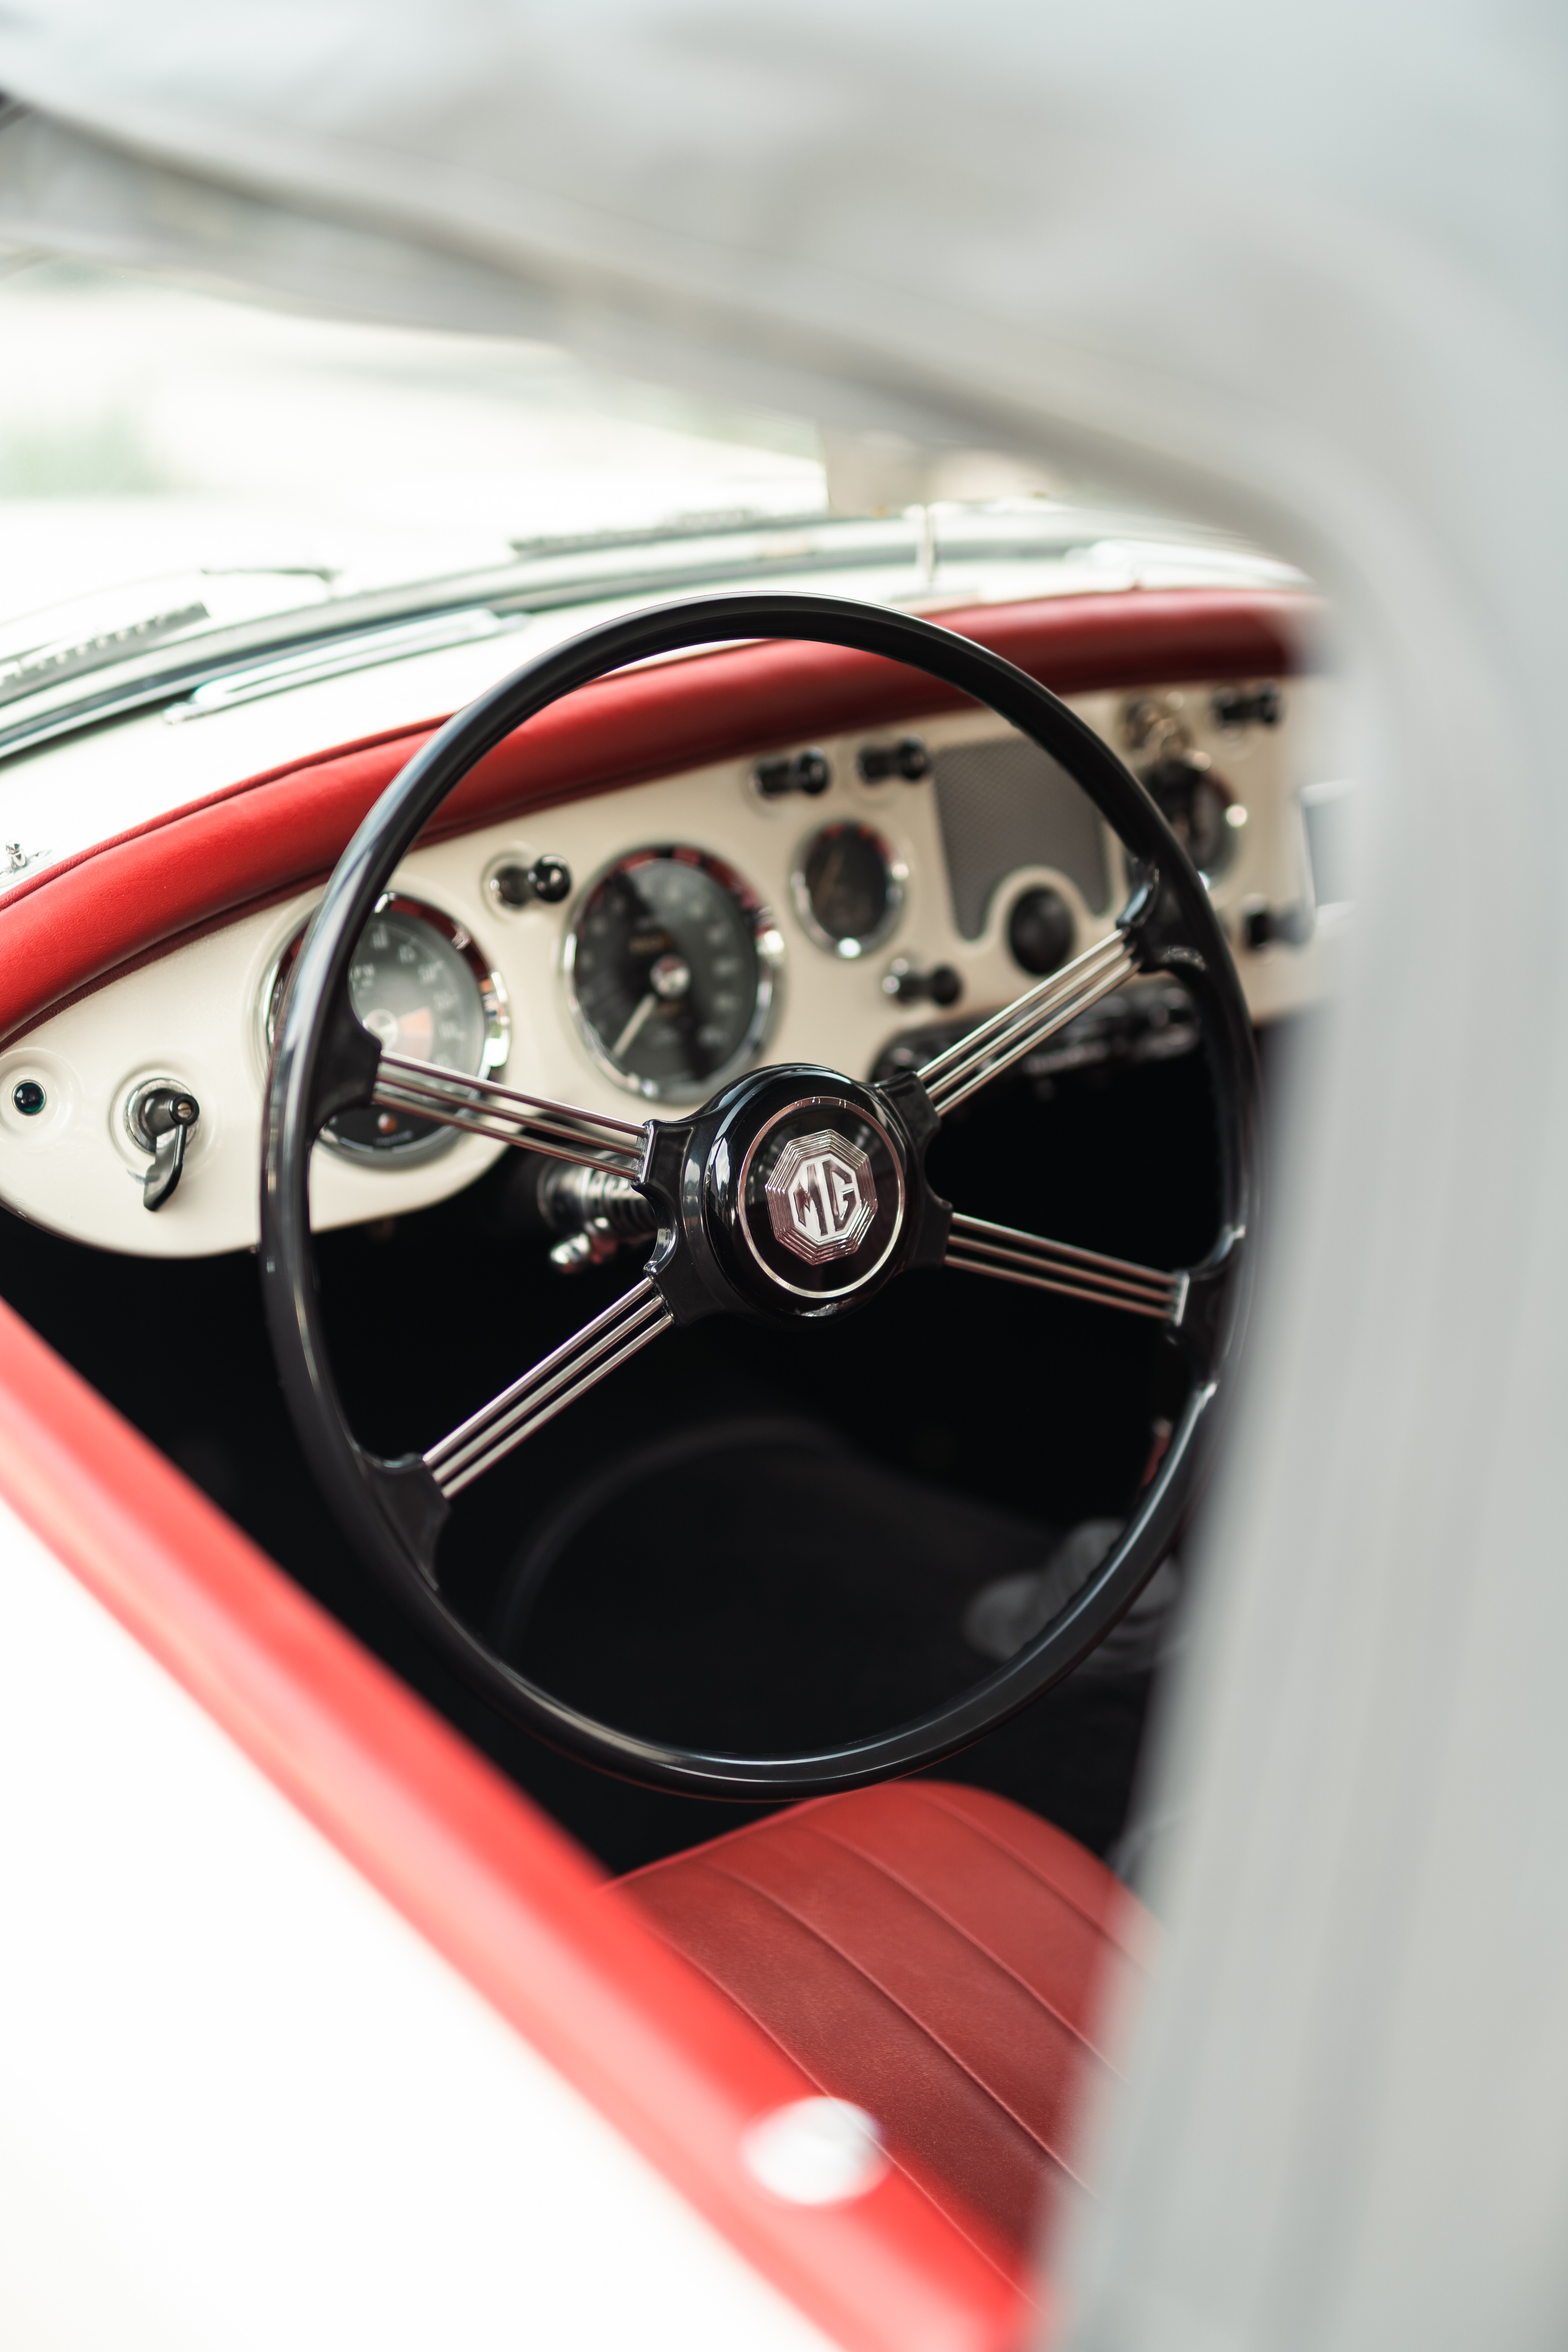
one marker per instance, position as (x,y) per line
(802,1582)
(755,1583)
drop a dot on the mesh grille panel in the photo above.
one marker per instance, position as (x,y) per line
(1007,805)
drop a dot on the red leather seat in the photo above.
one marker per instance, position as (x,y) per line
(934,1953)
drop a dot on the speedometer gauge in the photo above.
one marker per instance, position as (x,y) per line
(671,963)
(423,990)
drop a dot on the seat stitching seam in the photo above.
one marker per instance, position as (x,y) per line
(893,2001)
(1005,1967)
(892,2154)
(1031,1870)
(1003,1846)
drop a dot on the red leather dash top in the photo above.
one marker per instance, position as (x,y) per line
(99,913)
(935,1954)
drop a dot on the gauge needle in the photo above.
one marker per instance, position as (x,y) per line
(828,885)
(623,1043)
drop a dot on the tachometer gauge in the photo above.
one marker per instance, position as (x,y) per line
(848,888)
(422,989)
(670,962)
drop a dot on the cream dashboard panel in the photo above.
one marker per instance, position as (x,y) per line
(196,1016)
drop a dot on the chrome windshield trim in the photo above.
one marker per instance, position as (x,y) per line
(561,574)
(338,657)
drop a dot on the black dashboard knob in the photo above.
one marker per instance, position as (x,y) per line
(1247,705)
(908,758)
(1265,925)
(941,985)
(810,772)
(1041,930)
(548,880)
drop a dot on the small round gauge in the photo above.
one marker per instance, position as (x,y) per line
(670,962)
(423,990)
(1201,808)
(849,887)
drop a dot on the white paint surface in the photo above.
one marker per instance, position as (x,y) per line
(242,2104)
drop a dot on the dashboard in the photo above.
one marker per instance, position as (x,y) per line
(837,900)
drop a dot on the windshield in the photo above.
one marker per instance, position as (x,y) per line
(188,482)
(149,431)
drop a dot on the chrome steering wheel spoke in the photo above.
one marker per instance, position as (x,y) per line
(557,1380)
(532,1122)
(975,1247)
(983,1053)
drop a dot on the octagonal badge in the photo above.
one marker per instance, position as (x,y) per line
(822,1198)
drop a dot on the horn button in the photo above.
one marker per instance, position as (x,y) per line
(797,1189)
(819,1198)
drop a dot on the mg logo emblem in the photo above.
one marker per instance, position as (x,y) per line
(822,1198)
(819,1215)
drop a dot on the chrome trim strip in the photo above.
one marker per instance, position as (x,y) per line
(557,1380)
(339,657)
(532,1122)
(975,1247)
(595,569)
(983,1053)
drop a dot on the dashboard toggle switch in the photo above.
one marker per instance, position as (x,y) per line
(162,1118)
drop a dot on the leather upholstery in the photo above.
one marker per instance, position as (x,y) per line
(935,1954)
(103,911)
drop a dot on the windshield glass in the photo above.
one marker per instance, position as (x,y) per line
(152,433)
(189,482)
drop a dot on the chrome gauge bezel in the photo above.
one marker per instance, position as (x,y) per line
(860,944)
(492,1001)
(769,952)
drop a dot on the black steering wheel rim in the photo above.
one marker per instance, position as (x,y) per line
(320,1065)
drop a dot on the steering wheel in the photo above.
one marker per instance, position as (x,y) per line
(795,1193)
